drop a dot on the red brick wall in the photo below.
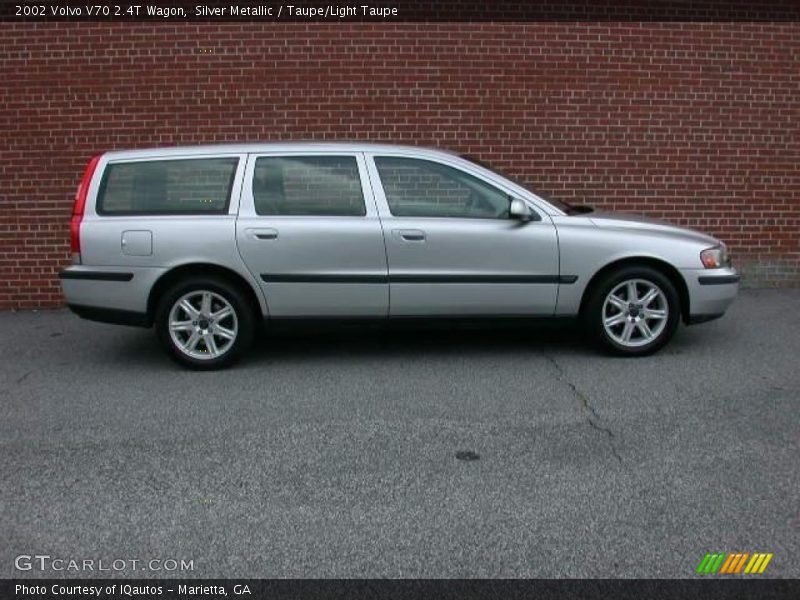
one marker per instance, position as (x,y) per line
(695,122)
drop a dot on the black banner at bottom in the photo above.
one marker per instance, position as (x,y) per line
(397,589)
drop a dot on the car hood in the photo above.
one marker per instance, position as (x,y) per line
(613,220)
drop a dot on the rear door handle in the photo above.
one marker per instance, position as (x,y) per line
(264,234)
(410,235)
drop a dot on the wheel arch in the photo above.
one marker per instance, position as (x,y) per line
(662,266)
(176,274)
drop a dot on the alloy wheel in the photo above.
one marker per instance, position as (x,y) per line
(203,325)
(635,313)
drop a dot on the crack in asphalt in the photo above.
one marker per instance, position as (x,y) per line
(593,417)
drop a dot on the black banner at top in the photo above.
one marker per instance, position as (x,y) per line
(322,11)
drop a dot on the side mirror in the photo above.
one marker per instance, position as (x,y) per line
(519,210)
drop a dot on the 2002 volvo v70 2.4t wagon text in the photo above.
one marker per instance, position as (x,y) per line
(204,242)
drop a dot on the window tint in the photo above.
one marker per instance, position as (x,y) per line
(194,186)
(308,185)
(423,188)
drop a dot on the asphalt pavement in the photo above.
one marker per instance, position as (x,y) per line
(334,454)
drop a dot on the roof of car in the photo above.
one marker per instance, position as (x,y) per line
(255,147)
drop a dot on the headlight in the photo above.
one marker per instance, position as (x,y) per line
(716,257)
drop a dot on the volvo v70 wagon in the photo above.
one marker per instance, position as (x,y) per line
(206,242)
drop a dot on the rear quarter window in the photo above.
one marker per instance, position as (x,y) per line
(186,186)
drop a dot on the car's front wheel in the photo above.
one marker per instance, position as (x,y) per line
(204,323)
(633,311)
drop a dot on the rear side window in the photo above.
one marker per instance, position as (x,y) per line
(308,185)
(196,186)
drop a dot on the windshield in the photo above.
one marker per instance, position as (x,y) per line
(567,208)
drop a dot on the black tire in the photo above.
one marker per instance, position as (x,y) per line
(594,310)
(244,317)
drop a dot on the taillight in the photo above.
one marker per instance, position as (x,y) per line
(78,209)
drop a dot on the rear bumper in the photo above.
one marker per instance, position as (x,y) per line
(711,292)
(93,275)
(120,289)
(111,315)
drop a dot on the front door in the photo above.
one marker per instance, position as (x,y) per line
(309,232)
(453,248)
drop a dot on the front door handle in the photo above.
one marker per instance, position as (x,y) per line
(410,235)
(264,234)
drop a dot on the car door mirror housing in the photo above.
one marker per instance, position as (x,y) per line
(519,210)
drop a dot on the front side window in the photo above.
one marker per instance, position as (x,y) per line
(424,188)
(192,186)
(559,204)
(308,185)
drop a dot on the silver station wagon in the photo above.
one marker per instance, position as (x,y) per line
(206,242)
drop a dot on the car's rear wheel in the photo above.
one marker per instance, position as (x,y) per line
(633,311)
(204,323)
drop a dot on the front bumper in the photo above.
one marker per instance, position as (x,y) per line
(711,292)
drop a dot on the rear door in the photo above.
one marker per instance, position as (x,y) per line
(309,232)
(452,247)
